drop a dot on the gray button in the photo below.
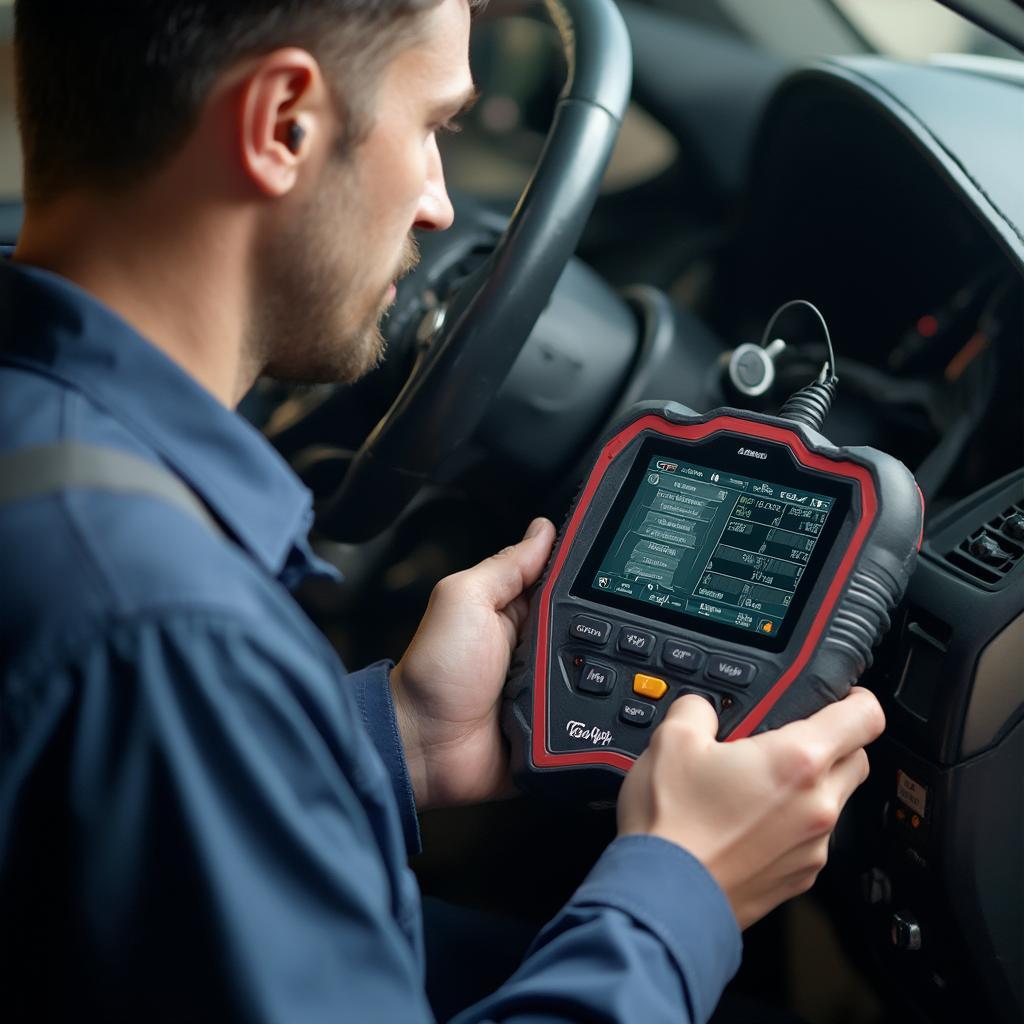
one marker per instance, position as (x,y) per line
(595,631)
(596,679)
(729,670)
(684,657)
(636,641)
(636,712)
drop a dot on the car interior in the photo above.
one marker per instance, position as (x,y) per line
(639,187)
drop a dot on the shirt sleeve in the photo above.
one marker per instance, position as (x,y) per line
(372,690)
(649,937)
(214,838)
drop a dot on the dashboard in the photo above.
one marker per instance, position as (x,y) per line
(891,194)
(903,224)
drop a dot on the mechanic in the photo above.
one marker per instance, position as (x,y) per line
(202,815)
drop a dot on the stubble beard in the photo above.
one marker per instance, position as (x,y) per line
(316,323)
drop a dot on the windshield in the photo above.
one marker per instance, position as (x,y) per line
(918,29)
(10,150)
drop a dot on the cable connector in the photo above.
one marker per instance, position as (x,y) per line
(810,405)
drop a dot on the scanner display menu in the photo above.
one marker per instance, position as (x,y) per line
(714,545)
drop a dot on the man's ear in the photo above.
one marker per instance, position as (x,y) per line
(283,110)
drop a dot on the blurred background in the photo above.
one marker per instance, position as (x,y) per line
(514,59)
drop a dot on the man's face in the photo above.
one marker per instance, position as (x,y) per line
(327,277)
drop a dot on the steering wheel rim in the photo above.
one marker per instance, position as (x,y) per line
(491,317)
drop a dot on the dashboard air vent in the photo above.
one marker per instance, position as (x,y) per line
(993,550)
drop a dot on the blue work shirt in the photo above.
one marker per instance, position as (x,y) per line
(202,815)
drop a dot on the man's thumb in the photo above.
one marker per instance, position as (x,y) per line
(696,711)
(531,553)
(507,574)
(534,549)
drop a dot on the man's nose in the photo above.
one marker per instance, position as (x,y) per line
(435,211)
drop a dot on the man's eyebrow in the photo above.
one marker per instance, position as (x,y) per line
(458,105)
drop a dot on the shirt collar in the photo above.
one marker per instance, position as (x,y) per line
(59,329)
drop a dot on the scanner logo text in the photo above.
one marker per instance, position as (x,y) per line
(582,731)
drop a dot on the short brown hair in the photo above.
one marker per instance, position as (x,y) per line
(107,92)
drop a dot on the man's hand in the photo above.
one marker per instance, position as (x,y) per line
(447,687)
(756,812)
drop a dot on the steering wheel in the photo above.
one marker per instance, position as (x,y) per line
(488,321)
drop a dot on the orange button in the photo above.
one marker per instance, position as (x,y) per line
(649,686)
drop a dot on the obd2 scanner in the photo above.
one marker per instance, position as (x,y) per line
(736,555)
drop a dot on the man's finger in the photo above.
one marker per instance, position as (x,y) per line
(842,727)
(848,774)
(695,711)
(503,577)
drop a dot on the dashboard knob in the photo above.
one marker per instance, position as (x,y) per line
(905,931)
(1014,526)
(875,887)
(988,550)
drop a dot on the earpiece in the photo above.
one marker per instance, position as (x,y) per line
(296,135)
